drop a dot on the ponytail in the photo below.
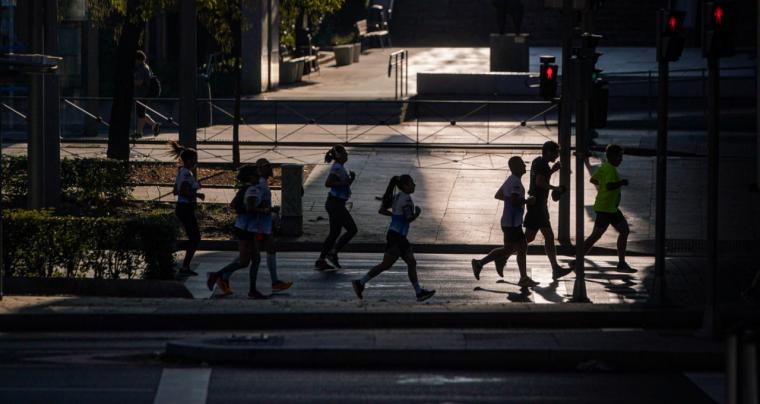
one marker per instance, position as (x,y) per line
(334,152)
(388,195)
(181,152)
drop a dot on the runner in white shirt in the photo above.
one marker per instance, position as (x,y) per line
(512,192)
(259,200)
(402,211)
(186,188)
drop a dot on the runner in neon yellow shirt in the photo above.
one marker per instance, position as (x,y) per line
(607,203)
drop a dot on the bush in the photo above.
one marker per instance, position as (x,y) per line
(84,181)
(36,243)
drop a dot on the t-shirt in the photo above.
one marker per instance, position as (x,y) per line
(402,202)
(263,196)
(606,200)
(186,176)
(512,216)
(248,221)
(142,72)
(343,191)
(539,166)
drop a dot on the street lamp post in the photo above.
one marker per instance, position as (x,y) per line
(11,65)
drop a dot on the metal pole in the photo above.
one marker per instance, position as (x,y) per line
(188,108)
(659,293)
(2,262)
(711,319)
(581,122)
(406,70)
(565,123)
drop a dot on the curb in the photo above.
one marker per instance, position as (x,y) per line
(96,287)
(314,351)
(219,320)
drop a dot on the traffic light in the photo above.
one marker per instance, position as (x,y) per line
(670,35)
(598,103)
(717,29)
(548,78)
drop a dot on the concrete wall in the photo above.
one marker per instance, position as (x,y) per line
(260,44)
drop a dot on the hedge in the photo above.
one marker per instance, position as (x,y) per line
(36,243)
(84,181)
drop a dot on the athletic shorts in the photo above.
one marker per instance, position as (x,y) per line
(244,235)
(537,217)
(513,234)
(139,111)
(397,243)
(604,219)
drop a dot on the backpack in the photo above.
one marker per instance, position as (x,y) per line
(154,86)
(238,202)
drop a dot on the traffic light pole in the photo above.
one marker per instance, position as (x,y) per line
(659,293)
(565,122)
(581,128)
(711,319)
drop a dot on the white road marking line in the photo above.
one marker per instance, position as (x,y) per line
(186,386)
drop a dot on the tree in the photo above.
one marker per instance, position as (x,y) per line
(314,9)
(128,18)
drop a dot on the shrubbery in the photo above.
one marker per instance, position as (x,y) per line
(84,181)
(36,243)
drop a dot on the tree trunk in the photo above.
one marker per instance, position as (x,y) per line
(124,89)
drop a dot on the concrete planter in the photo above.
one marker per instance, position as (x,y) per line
(291,71)
(357,51)
(344,54)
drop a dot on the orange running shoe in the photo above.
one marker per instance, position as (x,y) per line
(279,286)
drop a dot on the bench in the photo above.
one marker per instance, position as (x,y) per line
(361,26)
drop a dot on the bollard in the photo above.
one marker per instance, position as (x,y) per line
(741,367)
(291,213)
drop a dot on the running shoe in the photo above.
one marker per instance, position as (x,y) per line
(279,286)
(322,265)
(424,295)
(223,287)
(500,264)
(256,295)
(624,267)
(358,288)
(211,278)
(332,258)
(476,268)
(186,272)
(526,282)
(559,272)
(156,129)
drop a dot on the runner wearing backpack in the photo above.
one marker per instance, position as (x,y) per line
(147,85)
(244,230)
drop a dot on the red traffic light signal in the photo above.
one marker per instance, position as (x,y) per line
(548,81)
(717,29)
(670,35)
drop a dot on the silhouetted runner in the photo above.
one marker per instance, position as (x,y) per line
(512,193)
(402,211)
(186,188)
(339,181)
(607,205)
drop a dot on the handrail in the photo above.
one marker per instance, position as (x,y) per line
(84,111)
(400,60)
(8,107)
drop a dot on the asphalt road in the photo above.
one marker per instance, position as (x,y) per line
(126,368)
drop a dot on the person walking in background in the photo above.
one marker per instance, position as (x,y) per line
(186,188)
(144,78)
(339,181)
(607,205)
(537,217)
(402,211)
(512,192)
(245,228)
(260,200)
